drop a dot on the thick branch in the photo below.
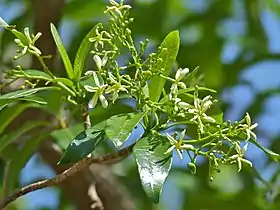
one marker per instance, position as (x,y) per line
(78,167)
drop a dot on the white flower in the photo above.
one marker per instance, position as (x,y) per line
(28,44)
(178,145)
(249,127)
(115,88)
(100,62)
(181,73)
(99,90)
(239,156)
(200,107)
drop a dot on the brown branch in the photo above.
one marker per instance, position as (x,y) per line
(77,167)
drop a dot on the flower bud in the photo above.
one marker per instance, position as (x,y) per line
(181,73)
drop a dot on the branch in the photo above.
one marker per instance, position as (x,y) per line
(79,166)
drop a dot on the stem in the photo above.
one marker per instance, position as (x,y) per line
(77,167)
(85,114)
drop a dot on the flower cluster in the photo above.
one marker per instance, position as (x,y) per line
(179,103)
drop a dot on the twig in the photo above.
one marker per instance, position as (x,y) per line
(79,166)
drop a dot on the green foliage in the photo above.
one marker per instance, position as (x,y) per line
(83,144)
(82,53)
(168,53)
(164,101)
(63,53)
(153,165)
(119,127)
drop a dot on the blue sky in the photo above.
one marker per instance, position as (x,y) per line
(262,76)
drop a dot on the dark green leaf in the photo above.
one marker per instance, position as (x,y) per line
(84,144)
(171,43)
(82,53)
(119,127)
(153,165)
(63,53)
(9,138)
(19,160)
(64,136)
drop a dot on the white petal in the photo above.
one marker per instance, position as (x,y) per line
(103,101)
(90,89)
(170,149)
(171,139)
(98,61)
(181,73)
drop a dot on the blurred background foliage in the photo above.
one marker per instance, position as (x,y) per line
(236,45)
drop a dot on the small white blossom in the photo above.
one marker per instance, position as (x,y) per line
(28,44)
(115,88)
(99,90)
(178,145)
(181,73)
(249,127)
(239,157)
(100,62)
(200,107)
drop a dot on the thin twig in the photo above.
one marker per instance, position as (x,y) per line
(79,166)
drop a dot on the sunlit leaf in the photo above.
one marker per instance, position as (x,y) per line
(119,127)
(63,53)
(82,53)
(153,165)
(171,43)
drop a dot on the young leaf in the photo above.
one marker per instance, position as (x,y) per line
(9,138)
(83,53)
(153,165)
(119,127)
(171,43)
(63,53)
(84,144)
(19,160)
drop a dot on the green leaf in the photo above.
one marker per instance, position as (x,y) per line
(24,93)
(20,158)
(37,100)
(13,136)
(8,114)
(66,82)
(36,74)
(274,156)
(64,136)
(153,165)
(171,43)
(84,144)
(63,53)
(83,52)
(119,127)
